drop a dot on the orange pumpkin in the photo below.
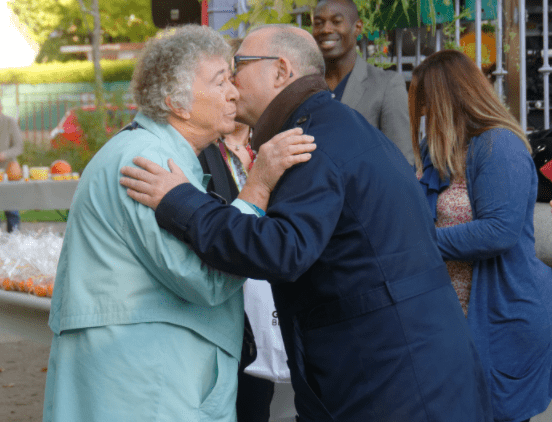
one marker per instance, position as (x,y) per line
(60,167)
(13,170)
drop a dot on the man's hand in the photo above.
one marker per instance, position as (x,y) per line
(277,155)
(150,185)
(2,157)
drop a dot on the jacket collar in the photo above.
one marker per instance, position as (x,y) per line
(282,107)
(353,91)
(169,135)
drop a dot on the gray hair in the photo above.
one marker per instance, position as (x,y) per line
(303,53)
(168,65)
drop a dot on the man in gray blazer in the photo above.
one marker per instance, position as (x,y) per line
(380,96)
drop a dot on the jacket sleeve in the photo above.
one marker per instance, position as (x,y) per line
(171,262)
(500,174)
(394,120)
(279,247)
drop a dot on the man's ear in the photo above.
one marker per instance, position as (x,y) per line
(284,72)
(177,111)
(358,27)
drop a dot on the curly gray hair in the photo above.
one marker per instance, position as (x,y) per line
(167,68)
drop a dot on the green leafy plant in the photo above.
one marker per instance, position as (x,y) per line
(449,30)
(378,58)
(42,155)
(379,15)
(376,15)
(267,12)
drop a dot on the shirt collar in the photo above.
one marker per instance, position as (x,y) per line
(169,134)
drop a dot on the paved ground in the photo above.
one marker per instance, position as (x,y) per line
(22,378)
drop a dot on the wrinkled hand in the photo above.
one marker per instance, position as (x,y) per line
(280,153)
(275,156)
(152,182)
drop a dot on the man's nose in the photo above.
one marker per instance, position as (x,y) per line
(327,27)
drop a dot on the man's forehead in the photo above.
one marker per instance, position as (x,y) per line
(337,7)
(254,44)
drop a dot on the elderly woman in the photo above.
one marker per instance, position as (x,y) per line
(143,331)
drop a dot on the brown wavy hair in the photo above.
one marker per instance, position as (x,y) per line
(459,103)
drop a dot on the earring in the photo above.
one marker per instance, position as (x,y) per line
(291,74)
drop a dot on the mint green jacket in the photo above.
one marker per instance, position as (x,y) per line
(118,267)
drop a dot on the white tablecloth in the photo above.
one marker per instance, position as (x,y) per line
(37,194)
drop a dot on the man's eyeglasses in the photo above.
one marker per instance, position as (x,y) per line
(243,59)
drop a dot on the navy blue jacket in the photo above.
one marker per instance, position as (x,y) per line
(372,326)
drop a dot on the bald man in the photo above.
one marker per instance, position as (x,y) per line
(371,324)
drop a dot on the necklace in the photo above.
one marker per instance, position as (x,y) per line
(223,148)
(237,146)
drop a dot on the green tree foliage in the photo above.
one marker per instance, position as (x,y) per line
(263,12)
(375,14)
(54,23)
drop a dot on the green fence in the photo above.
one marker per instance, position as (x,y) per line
(39,108)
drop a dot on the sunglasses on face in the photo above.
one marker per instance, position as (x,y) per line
(244,59)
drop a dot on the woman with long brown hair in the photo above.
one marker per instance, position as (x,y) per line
(476,169)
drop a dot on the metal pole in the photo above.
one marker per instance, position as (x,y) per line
(241,8)
(205,13)
(478,33)
(419,47)
(522,68)
(17,99)
(545,69)
(457,23)
(500,72)
(363,48)
(399,39)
